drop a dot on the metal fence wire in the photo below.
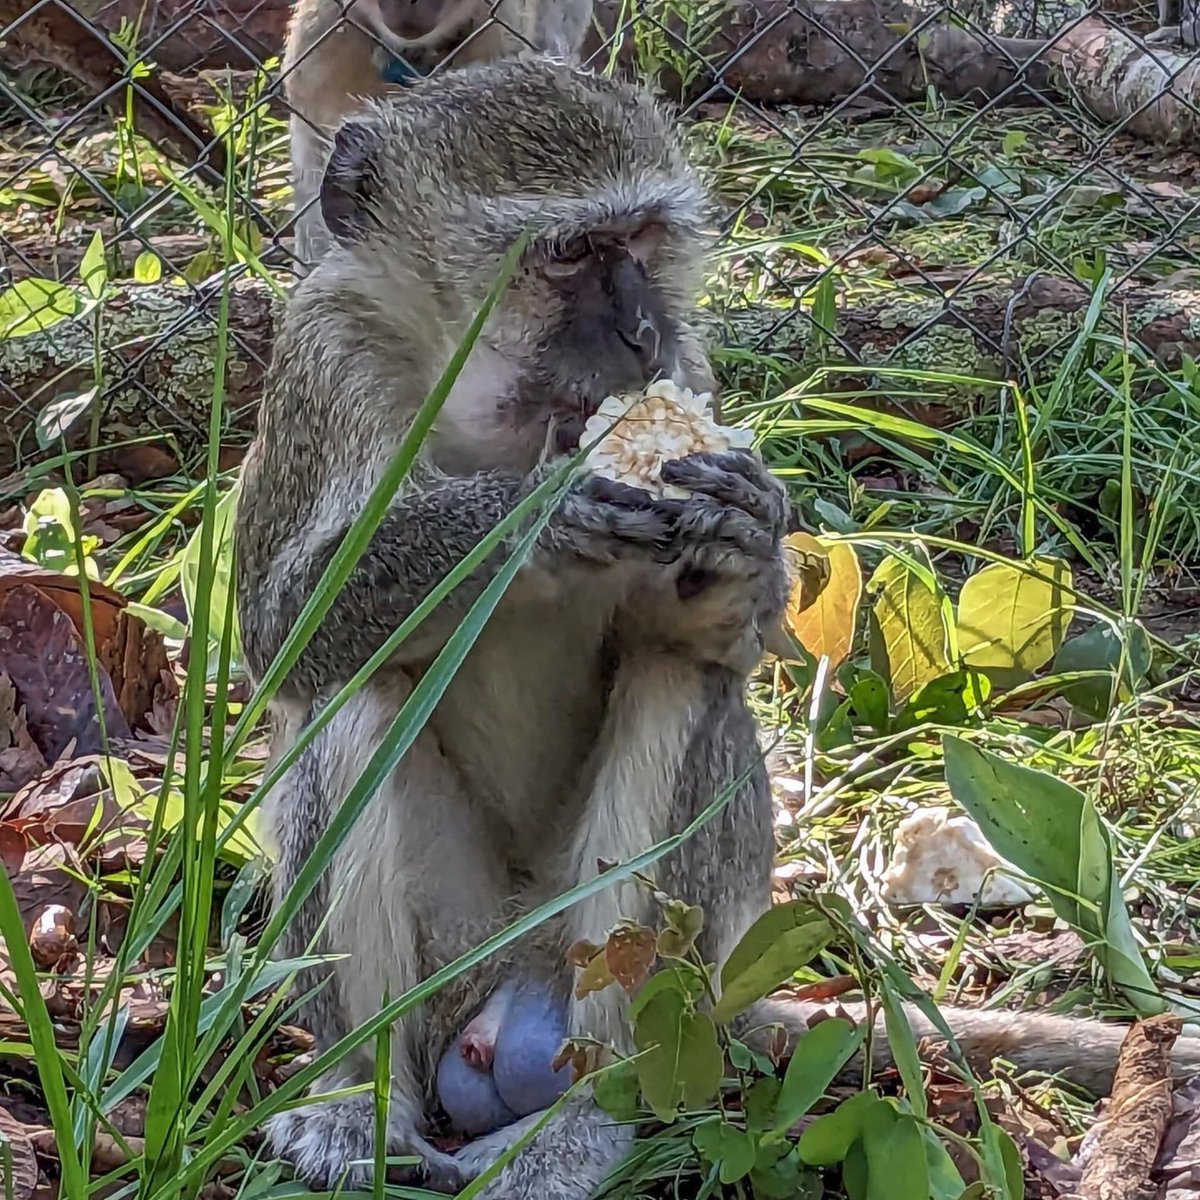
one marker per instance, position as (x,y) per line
(955,188)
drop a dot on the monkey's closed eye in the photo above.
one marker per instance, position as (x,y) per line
(565,260)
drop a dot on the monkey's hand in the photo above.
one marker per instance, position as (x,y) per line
(726,581)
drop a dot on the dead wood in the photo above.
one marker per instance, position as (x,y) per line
(76,39)
(1151,91)
(1119,1151)
(769,51)
(822,51)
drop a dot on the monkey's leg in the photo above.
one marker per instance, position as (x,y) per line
(389,895)
(672,729)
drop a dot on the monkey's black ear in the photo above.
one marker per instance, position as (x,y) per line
(350,181)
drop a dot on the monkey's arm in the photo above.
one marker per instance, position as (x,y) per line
(433,524)
(1084,1051)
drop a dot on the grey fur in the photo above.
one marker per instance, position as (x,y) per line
(331,67)
(603,705)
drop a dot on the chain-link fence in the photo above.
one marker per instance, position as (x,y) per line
(956,188)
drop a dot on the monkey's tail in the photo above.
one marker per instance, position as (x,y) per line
(1083,1050)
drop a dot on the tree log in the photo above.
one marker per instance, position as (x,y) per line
(822,51)
(769,51)
(1153,92)
(160,343)
(74,36)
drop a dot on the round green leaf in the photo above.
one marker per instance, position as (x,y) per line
(912,635)
(1014,617)
(33,305)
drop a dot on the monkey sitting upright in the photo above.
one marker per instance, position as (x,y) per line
(340,53)
(602,707)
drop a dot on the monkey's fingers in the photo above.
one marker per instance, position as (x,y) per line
(735,478)
(705,521)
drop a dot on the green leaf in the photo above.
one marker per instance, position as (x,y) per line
(221,592)
(760,1102)
(34,305)
(781,941)
(1015,617)
(825,308)
(1100,649)
(908,616)
(658,1031)
(147,267)
(746,1058)
(55,419)
(785,1179)
(1014,139)
(701,1063)
(732,1150)
(819,1055)
(616,1091)
(854,1172)
(684,980)
(93,270)
(903,1046)
(1050,830)
(869,700)
(828,1139)
(1014,1171)
(895,1150)
(948,700)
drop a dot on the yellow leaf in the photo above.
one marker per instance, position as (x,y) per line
(1014,616)
(824,623)
(908,618)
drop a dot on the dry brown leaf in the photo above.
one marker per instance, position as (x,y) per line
(22,1179)
(823,621)
(630,953)
(20,758)
(47,662)
(1119,1151)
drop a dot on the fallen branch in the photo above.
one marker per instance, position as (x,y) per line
(160,343)
(1153,92)
(1118,1154)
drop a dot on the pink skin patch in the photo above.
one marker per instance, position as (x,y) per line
(478,1038)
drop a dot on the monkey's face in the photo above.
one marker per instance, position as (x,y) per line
(413,20)
(589,320)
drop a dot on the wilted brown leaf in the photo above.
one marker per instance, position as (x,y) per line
(20,759)
(47,663)
(630,953)
(20,1181)
(595,977)
(48,875)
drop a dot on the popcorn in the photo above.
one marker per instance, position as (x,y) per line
(663,423)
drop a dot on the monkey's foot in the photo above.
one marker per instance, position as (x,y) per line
(333,1144)
(568,1160)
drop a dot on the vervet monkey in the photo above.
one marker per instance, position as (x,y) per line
(602,707)
(339,53)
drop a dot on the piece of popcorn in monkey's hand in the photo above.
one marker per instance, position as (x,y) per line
(663,423)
